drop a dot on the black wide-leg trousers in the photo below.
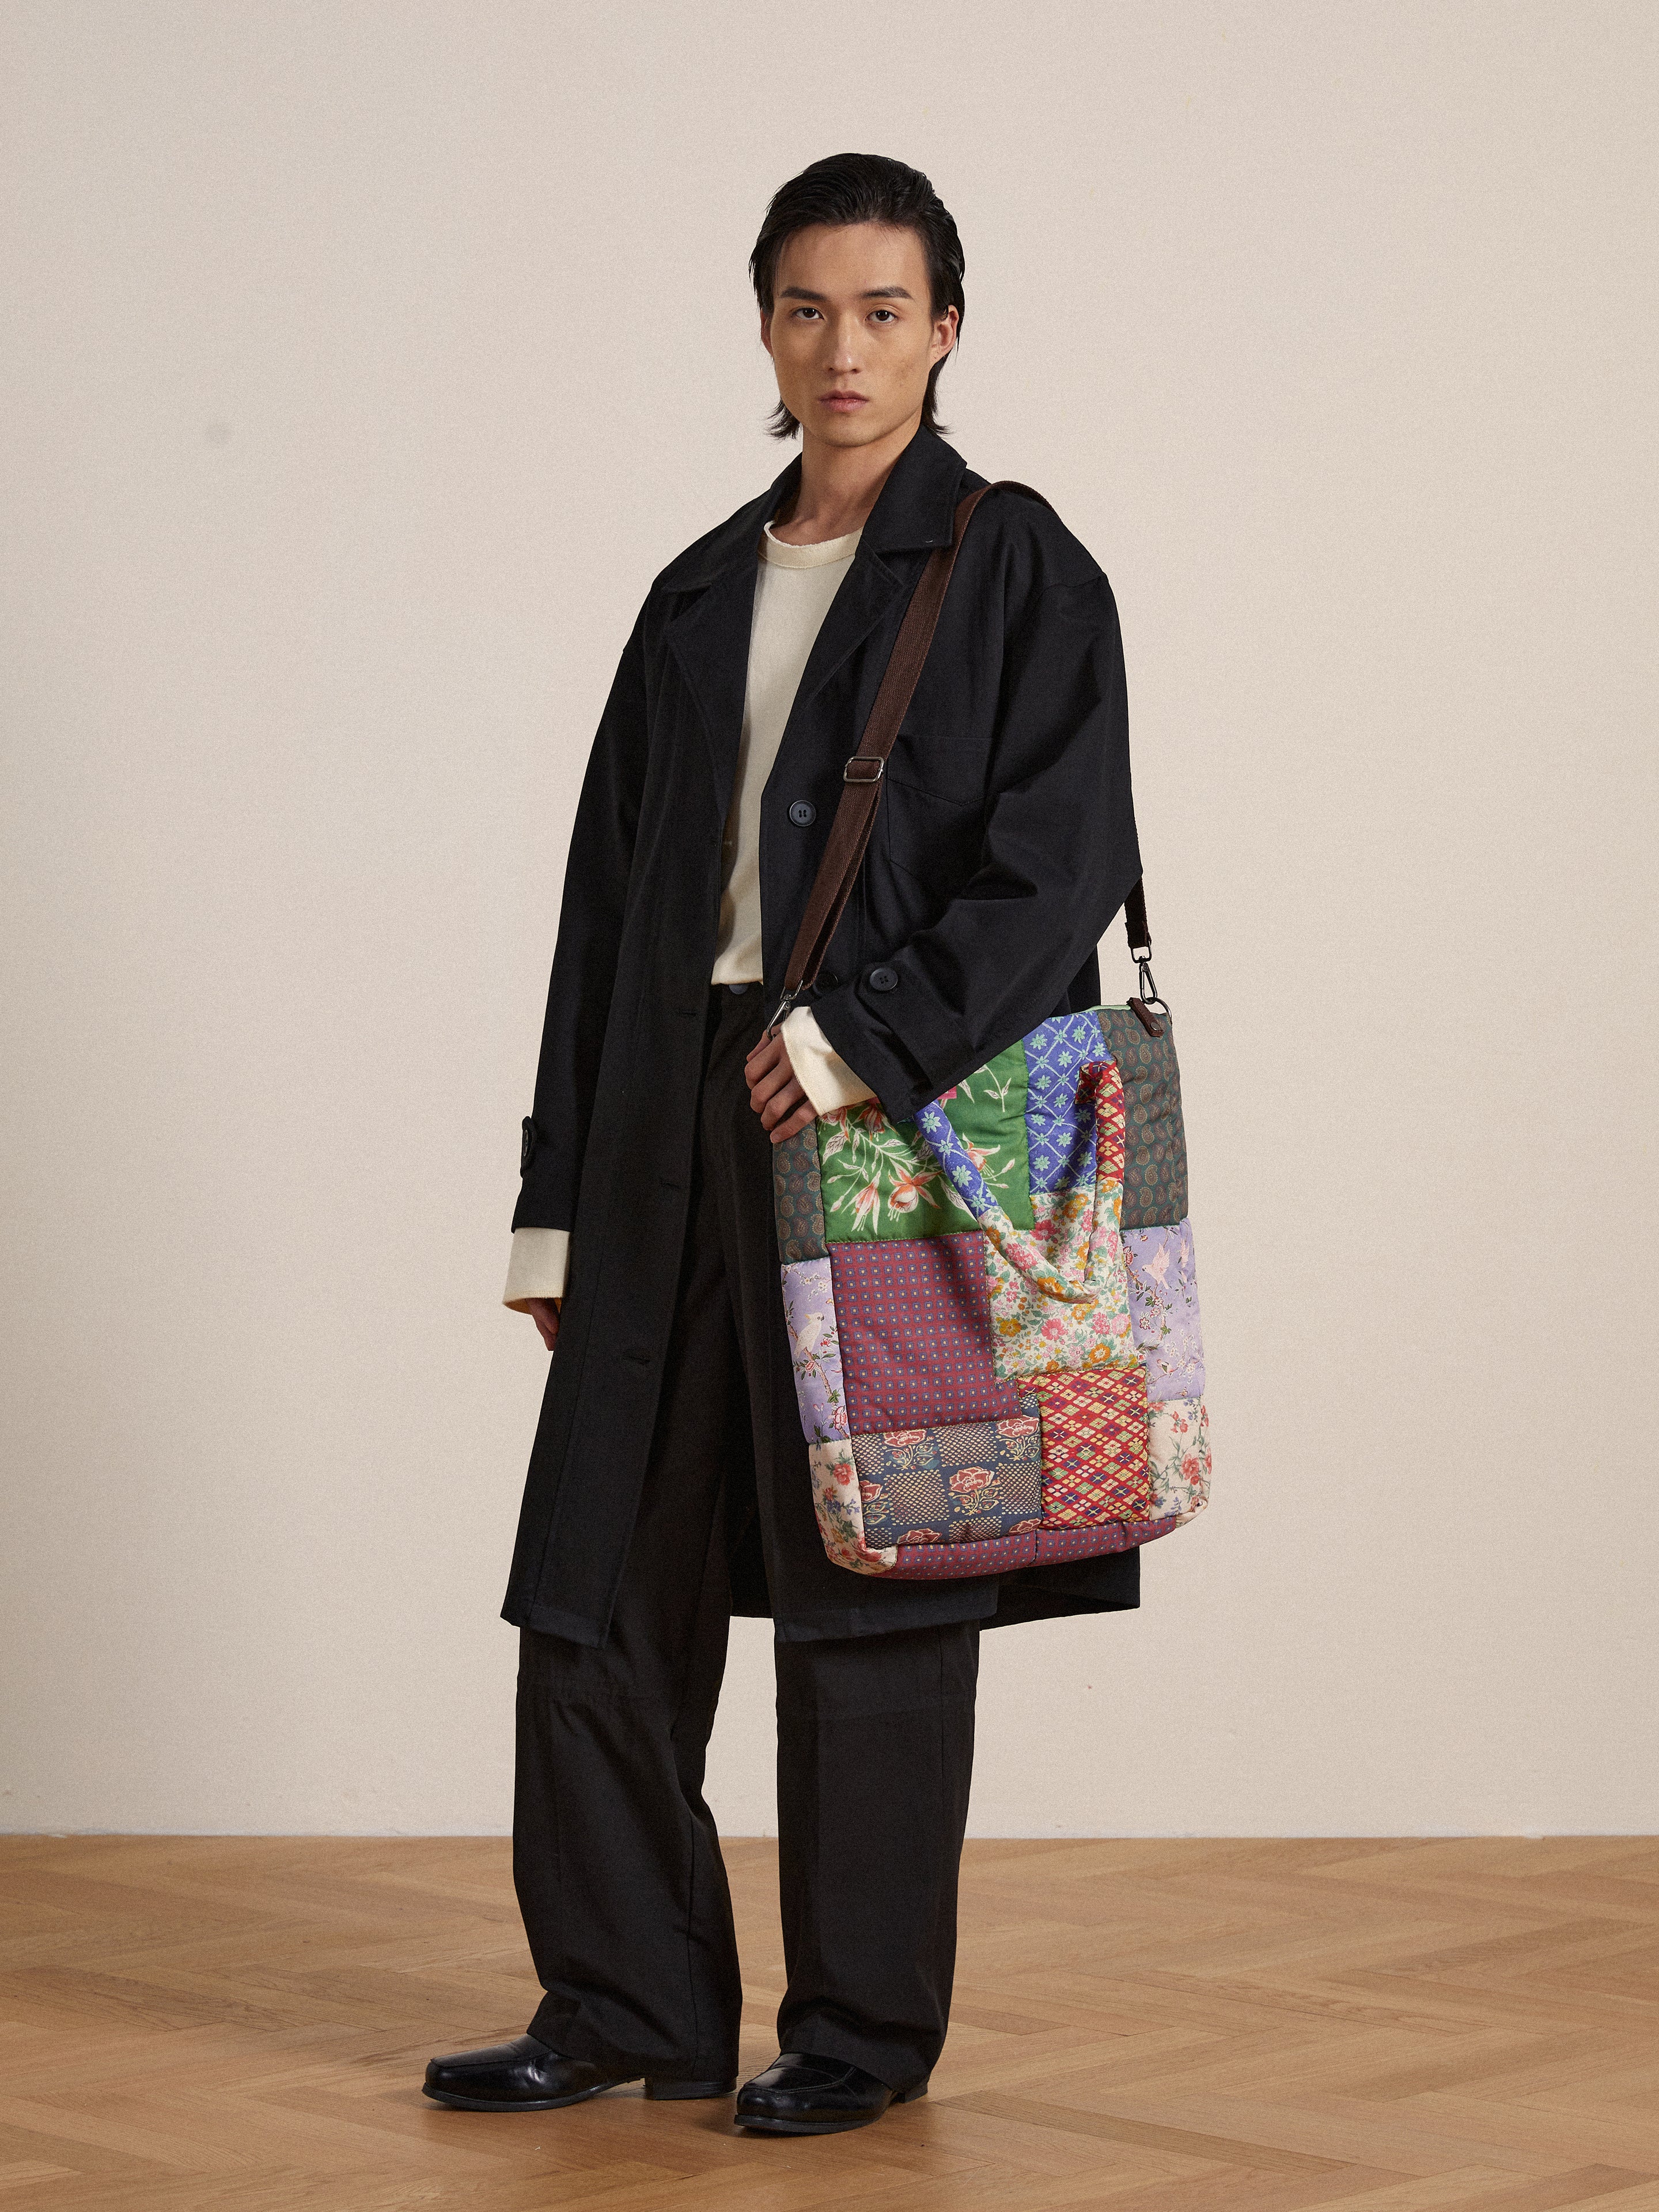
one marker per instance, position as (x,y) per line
(616,1858)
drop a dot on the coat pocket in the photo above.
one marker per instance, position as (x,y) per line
(932,840)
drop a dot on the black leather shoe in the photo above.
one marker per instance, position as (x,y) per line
(800,2096)
(525,2076)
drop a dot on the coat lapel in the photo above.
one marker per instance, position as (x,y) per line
(866,594)
(915,508)
(710,641)
(709,638)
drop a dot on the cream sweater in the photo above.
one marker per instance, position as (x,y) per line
(791,596)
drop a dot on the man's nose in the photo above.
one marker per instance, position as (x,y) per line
(844,350)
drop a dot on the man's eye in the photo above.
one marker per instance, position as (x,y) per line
(887,313)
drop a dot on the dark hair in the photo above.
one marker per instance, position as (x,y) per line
(846,188)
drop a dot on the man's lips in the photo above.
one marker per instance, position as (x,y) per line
(842,402)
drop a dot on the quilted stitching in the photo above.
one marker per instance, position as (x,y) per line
(959,1421)
(1001,1555)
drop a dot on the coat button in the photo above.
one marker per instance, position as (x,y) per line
(801,811)
(883,979)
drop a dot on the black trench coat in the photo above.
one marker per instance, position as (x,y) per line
(1004,845)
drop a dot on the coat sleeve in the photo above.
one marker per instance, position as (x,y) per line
(1059,857)
(537,1266)
(595,896)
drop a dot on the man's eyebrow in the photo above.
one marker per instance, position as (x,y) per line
(876,292)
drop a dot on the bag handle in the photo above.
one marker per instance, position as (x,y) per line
(861,778)
(1018,1247)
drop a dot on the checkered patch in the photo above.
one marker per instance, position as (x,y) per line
(1095,1435)
(957,1484)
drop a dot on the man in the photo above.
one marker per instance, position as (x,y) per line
(668,1485)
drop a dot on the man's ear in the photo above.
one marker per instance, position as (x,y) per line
(766,329)
(949,319)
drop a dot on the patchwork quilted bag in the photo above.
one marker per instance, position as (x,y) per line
(993,1305)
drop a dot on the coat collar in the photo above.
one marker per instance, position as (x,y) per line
(915,507)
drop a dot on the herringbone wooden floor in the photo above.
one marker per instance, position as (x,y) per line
(1192,2026)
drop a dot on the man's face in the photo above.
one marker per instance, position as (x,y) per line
(852,332)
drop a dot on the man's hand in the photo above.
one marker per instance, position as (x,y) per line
(544,1312)
(783,1107)
(774,1093)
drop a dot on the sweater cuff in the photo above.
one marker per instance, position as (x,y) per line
(822,1073)
(540,1261)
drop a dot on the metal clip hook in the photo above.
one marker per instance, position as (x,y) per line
(1149,994)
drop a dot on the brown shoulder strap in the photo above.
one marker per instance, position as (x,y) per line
(861,775)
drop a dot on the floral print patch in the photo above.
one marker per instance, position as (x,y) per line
(878,1179)
(1164,1306)
(809,1313)
(988,1111)
(1033,1333)
(1179,1451)
(1019,1246)
(839,1510)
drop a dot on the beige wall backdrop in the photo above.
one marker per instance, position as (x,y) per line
(362,362)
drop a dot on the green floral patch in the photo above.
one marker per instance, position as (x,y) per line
(987,1111)
(880,1178)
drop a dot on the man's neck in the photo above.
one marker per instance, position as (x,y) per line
(840,484)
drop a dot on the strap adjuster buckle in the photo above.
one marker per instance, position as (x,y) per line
(862,762)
